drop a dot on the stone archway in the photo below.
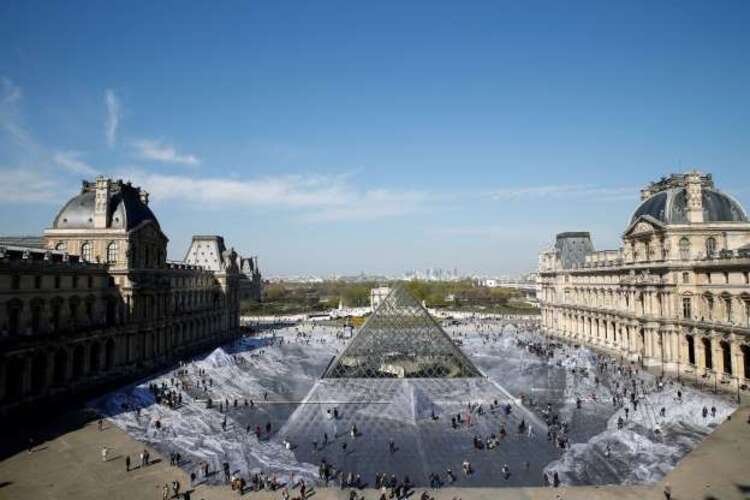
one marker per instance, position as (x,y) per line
(38,373)
(14,375)
(79,361)
(60,371)
(109,354)
(95,357)
(726,355)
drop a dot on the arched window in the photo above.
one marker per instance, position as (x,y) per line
(707,353)
(690,349)
(684,249)
(710,307)
(60,246)
(112,252)
(86,252)
(728,308)
(710,247)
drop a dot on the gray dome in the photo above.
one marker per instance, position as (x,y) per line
(126,210)
(670,207)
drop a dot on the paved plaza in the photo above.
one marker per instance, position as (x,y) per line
(278,373)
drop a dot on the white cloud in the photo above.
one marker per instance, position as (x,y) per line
(70,161)
(581,191)
(374,204)
(317,198)
(29,185)
(112,121)
(159,151)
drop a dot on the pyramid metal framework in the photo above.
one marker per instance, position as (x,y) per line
(401,340)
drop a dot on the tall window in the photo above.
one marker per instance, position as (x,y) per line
(691,349)
(686,308)
(710,246)
(686,277)
(728,308)
(707,353)
(112,252)
(86,252)
(726,354)
(710,307)
(684,249)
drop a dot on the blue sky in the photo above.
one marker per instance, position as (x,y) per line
(372,136)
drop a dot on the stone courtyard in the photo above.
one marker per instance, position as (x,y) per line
(278,374)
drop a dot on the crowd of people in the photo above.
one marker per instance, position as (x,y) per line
(624,381)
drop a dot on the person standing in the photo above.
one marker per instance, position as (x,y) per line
(105,451)
(127,463)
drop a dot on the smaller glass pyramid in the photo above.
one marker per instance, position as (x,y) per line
(401,340)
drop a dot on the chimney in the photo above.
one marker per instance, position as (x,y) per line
(101,206)
(694,197)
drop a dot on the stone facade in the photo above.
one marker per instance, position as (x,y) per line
(676,296)
(102,304)
(206,251)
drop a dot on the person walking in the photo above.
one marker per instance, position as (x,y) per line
(127,463)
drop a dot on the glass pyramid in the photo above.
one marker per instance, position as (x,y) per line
(401,340)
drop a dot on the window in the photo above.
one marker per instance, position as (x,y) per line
(707,353)
(37,282)
(710,307)
(112,252)
(728,308)
(747,278)
(726,278)
(60,246)
(15,282)
(708,278)
(90,283)
(14,317)
(686,308)
(726,355)
(691,349)
(86,252)
(57,282)
(710,247)
(747,312)
(36,317)
(75,281)
(684,249)
(686,277)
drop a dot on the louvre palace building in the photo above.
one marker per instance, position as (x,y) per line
(674,297)
(96,302)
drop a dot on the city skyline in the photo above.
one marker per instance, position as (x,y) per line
(335,139)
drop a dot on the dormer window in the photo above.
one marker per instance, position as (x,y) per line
(710,247)
(684,249)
